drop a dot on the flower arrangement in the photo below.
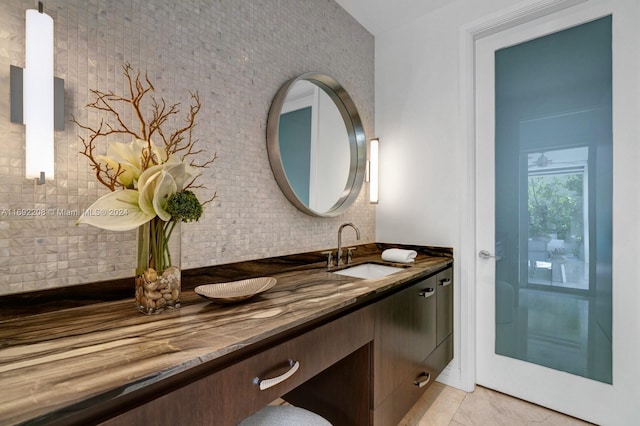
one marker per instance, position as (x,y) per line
(151,184)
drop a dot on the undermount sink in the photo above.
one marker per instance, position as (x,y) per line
(369,271)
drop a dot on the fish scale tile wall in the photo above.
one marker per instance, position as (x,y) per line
(235,54)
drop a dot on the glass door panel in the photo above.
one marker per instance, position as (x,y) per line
(553,197)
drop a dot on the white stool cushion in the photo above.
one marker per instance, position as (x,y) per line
(284,415)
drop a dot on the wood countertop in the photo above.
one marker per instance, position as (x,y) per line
(81,364)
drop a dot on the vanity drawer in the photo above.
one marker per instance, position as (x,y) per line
(440,358)
(313,352)
(229,395)
(400,401)
(403,397)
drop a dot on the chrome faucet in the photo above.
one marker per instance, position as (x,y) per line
(339,262)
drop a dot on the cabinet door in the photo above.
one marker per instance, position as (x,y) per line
(444,295)
(392,357)
(423,305)
(405,334)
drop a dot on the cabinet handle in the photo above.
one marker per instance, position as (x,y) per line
(265,384)
(426,376)
(445,282)
(427,292)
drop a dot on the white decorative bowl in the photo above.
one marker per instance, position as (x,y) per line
(235,291)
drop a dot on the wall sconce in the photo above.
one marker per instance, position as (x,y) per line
(372,171)
(37,97)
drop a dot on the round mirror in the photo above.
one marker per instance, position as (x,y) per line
(316,145)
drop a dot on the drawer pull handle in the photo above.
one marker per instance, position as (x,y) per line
(268,383)
(427,292)
(445,282)
(422,383)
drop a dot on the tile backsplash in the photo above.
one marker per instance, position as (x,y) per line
(235,54)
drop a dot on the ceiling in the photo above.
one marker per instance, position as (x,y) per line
(379,16)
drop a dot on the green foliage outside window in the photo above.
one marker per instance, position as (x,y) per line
(556,206)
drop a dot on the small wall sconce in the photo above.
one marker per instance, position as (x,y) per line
(37,98)
(372,171)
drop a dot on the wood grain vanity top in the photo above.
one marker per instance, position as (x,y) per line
(74,363)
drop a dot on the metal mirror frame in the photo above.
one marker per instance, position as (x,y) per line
(355,132)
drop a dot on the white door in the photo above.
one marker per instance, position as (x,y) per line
(553,299)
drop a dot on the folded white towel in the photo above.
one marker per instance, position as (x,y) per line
(399,255)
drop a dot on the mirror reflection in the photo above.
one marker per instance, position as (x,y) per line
(316,145)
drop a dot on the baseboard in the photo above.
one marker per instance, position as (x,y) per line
(452,376)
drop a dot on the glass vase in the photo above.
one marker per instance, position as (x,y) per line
(158,266)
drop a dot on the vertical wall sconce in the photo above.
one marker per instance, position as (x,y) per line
(372,171)
(37,98)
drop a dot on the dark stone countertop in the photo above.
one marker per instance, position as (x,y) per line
(61,358)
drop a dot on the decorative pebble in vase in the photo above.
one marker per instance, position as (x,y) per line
(158,275)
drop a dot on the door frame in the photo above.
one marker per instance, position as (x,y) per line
(467,256)
(625,371)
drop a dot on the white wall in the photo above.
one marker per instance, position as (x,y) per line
(417,118)
(425,181)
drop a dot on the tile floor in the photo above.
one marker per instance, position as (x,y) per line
(443,405)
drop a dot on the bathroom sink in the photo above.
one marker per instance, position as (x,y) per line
(369,270)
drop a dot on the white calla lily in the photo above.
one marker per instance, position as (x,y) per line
(129,153)
(154,194)
(158,183)
(127,174)
(146,188)
(179,173)
(154,186)
(126,157)
(159,153)
(116,211)
(164,188)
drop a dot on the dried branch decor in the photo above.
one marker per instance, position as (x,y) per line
(150,184)
(126,167)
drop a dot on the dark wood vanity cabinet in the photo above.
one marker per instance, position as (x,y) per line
(412,344)
(226,396)
(366,367)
